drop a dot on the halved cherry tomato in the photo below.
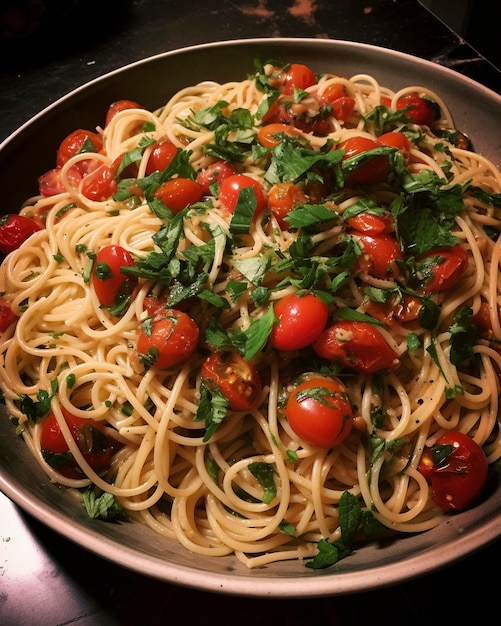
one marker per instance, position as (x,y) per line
(152,304)
(91,438)
(99,184)
(112,287)
(285,110)
(341,103)
(442,268)
(118,107)
(398,309)
(270,135)
(77,142)
(456,467)
(357,345)
(422,111)
(396,140)
(294,76)
(366,222)
(161,156)
(282,199)
(301,318)
(7,317)
(318,411)
(379,253)
(214,173)
(15,230)
(179,193)
(50,184)
(373,171)
(167,339)
(236,378)
(231,187)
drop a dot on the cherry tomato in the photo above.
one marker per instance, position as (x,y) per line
(153,304)
(161,156)
(366,222)
(319,412)
(77,142)
(379,253)
(342,104)
(100,183)
(399,309)
(300,320)
(357,345)
(167,339)
(50,183)
(270,135)
(442,268)
(294,76)
(482,319)
(456,467)
(112,287)
(15,230)
(397,140)
(7,317)
(179,193)
(373,171)
(91,439)
(285,110)
(118,107)
(230,188)
(422,111)
(282,199)
(214,173)
(234,377)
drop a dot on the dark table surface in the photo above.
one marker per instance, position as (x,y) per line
(47,580)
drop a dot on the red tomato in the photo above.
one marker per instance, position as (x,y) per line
(400,309)
(358,345)
(50,184)
(300,320)
(319,412)
(271,135)
(179,193)
(15,230)
(152,304)
(342,104)
(230,188)
(7,317)
(118,107)
(282,199)
(396,140)
(91,440)
(99,184)
(456,467)
(161,156)
(379,253)
(112,287)
(214,173)
(442,267)
(482,319)
(77,142)
(371,223)
(234,377)
(421,111)
(286,111)
(167,339)
(296,75)
(374,171)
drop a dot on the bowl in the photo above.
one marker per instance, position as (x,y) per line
(151,82)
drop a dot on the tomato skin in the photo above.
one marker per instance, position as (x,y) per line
(366,222)
(270,135)
(230,189)
(297,76)
(374,171)
(118,107)
(341,103)
(7,316)
(396,140)
(236,378)
(167,339)
(90,437)
(458,479)
(319,412)
(357,345)
(396,311)
(15,230)
(282,199)
(214,173)
(79,140)
(178,193)
(300,320)
(109,283)
(99,184)
(444,267)
(287,112)
(162,154)
(380,251)
(422,111)
(50,184)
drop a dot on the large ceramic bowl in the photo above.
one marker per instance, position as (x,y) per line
(30,151)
